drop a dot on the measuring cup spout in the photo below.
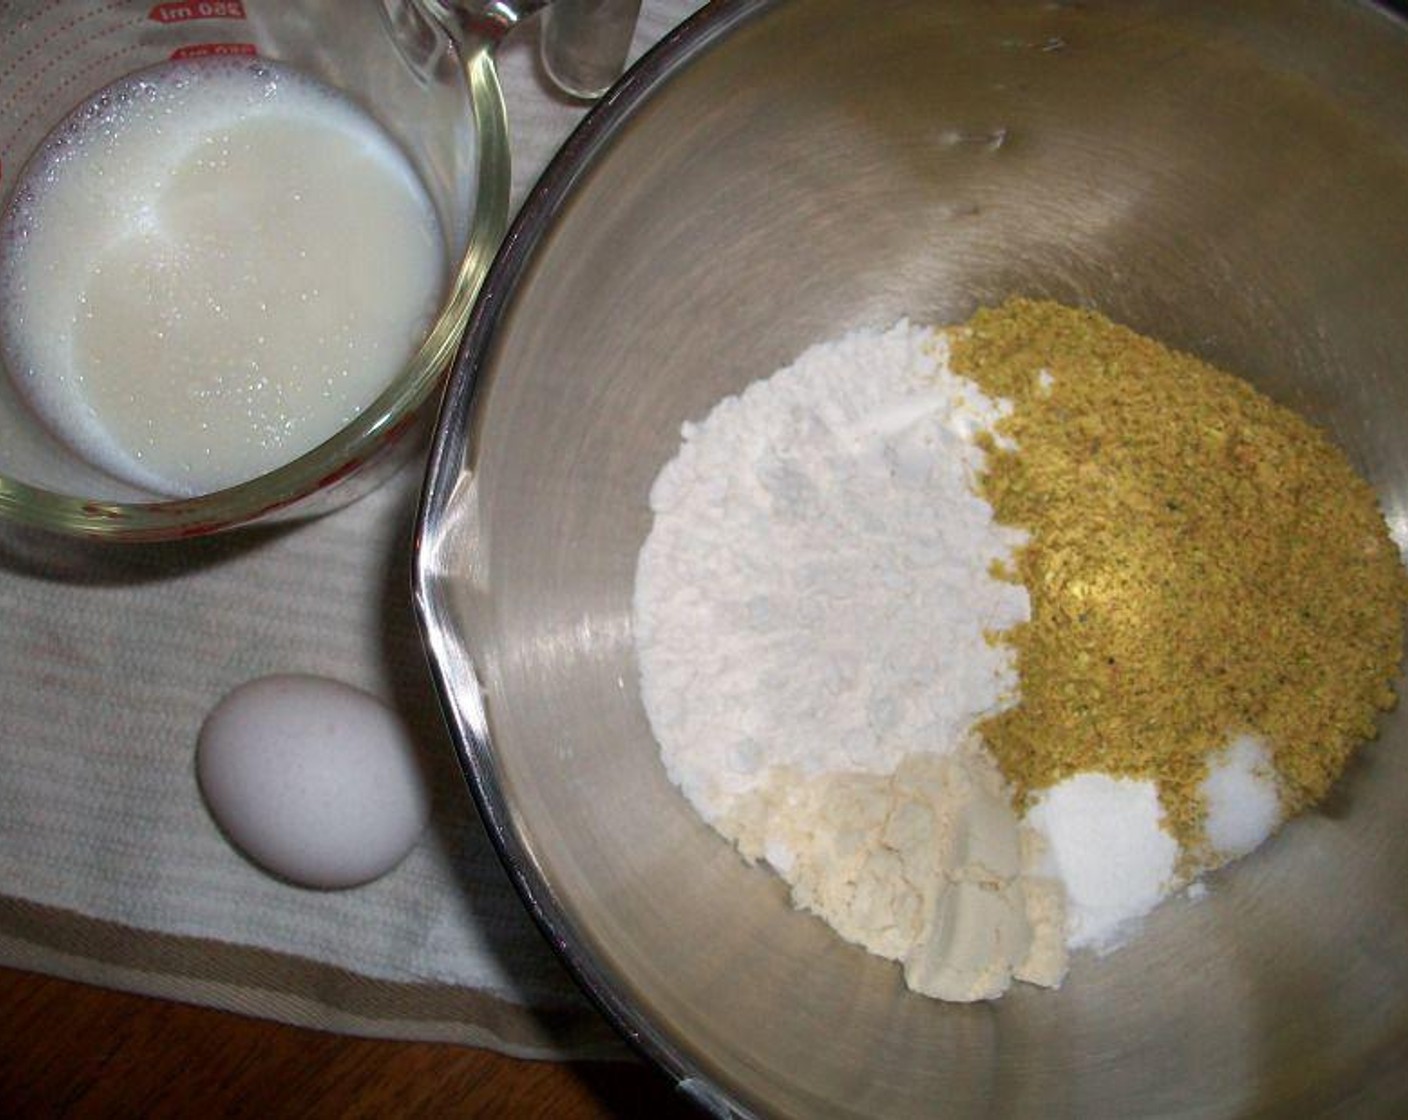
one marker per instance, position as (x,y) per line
(584,43)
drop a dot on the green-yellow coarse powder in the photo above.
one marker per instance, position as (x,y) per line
(1201,563)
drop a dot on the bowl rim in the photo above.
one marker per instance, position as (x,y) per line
(433,562)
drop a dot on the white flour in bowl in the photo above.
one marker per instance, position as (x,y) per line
(818,556)
(814,610)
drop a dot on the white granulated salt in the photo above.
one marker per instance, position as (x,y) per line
(1242,799)
(815,592)
(1107,845)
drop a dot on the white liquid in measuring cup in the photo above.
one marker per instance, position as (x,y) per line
(210,268)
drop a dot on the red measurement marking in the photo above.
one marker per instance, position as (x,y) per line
(213,50)
(197,9)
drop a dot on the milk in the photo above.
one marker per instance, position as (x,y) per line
(209,269)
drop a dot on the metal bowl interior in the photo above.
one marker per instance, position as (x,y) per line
(1229,178)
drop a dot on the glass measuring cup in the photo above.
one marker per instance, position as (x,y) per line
(424,71)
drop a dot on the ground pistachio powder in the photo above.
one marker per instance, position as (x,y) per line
(1201,563)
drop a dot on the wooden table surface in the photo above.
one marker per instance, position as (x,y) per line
(70,1050)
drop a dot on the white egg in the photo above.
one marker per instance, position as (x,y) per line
(316,781)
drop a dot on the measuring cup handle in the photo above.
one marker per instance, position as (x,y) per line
(584,43)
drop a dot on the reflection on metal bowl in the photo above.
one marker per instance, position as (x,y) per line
(1227,177)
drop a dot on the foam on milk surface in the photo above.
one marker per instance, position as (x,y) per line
(210,269)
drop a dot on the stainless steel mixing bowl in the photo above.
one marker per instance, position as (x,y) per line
(1229,177)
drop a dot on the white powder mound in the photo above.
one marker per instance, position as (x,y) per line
(814,613)
(928,866)
(1242,798)
(1106,843)
(815,591)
